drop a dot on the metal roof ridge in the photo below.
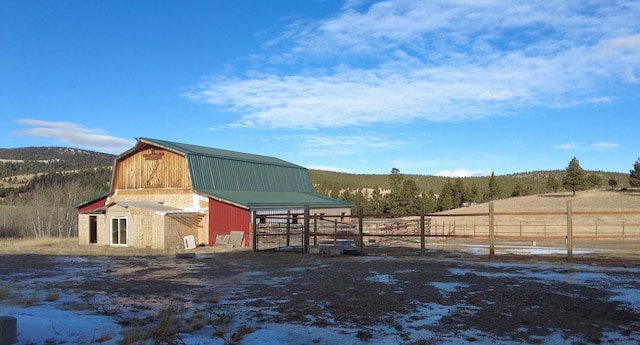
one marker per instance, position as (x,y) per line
(187,149)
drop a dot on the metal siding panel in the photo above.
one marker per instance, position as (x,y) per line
(215,173)
(225,217)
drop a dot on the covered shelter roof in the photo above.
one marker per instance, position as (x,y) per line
(264,199)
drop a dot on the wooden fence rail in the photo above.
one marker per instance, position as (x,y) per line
(364,230)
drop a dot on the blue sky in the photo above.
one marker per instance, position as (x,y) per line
(451,88)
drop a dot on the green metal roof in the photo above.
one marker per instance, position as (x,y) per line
(187,149)
(250,180)
(217,173)
(255,200)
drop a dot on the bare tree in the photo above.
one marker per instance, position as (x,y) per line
(45,202)
(69,212)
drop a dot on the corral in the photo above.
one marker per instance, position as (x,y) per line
(587,225)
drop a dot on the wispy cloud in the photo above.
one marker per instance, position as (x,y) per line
(600,100)
(328,168)
(601,146)
(75,135)
(402,61)
(568,146)
(342,145)
(463,173)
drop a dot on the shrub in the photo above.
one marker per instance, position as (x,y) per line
(9,232)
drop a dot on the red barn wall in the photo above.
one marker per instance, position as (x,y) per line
(93,205)
(223,218)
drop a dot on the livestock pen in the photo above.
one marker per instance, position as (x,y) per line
(559,233)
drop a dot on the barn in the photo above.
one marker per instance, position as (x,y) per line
(163,193)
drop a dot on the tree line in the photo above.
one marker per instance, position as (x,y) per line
(405,196)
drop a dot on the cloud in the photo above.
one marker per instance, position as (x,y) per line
(328,168)
(630,76)
(405,61)
(342,145)
(631,42)
(568,146)
(600,100)
(74,134)
(463,173)
(601,146)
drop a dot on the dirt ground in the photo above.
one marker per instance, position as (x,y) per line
(519,299)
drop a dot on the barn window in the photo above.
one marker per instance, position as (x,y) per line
(119,231)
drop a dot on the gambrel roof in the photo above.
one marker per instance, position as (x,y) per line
(248,180)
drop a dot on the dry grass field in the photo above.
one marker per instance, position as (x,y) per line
(589,200)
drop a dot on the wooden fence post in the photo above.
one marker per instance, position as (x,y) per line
(255,232)
(361,230)
(569,230)
(422,239)
(307,222)
(315,229)
(520,229)
(288,228)
(492,237)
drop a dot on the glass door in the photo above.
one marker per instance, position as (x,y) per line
(119,231)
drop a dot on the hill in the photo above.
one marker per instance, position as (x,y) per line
(21,169)
(588,200)
(519,184)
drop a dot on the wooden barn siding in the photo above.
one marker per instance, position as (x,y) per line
(151,168)
(223,218)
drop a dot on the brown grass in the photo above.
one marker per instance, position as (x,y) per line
(70,246)
(590,200)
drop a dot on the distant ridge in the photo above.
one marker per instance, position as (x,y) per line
(26,162)
(21,169)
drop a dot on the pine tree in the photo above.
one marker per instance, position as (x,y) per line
(494,190)
(430,201)
(445,201)
(634,175)
(552,183)
(474,192)
(575,176)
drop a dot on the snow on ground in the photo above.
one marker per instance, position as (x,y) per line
(49,322)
